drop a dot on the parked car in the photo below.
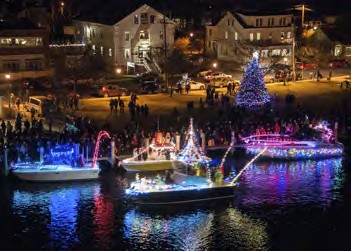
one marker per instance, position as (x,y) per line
(42,105)
(204,73)
(148,76)
(280,77)
(306,65)
(280,67)
(150,87)
(193,85)
(219,75)
(223,82)
(339,63)
(110,91)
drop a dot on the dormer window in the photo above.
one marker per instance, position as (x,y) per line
(143,18)
(136,19)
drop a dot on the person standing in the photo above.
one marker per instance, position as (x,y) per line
(111,105)
(115,105)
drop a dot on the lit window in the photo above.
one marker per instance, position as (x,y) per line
(93,47)
(126,36)
(258,36)
(236,36)
(288,35)
(126,53)
(110,52)
(226,34)
(136,19)
(102,50)
(144,35)
(251,36)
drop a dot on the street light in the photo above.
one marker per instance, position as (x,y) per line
(214,65)
(119,70)
(8,77)
(191,34)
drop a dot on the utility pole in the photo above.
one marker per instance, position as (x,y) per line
(303,15)
(165,45)
(293,57)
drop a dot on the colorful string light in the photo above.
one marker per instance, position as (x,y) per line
(97,146)
(192,152)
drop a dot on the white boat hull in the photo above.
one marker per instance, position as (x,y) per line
(66,174)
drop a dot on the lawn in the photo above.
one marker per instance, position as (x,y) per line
(321,97)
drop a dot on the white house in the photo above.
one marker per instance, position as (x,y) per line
(135,39)
(271,33)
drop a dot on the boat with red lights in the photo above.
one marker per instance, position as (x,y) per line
(280,146)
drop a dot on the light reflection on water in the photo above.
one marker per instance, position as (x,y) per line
(89,216)
(300,182)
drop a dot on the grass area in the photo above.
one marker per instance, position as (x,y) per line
(320,97)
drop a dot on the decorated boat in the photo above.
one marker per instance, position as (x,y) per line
(159,155)
(60,163)
(280,146)
(178,188)
(192,153)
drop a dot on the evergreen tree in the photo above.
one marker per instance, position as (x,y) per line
(252,91)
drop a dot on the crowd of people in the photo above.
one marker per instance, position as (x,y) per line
(23,137)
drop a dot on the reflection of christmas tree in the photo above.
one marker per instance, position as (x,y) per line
(252,91)
(192,152)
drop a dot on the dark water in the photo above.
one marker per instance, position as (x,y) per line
(301,205)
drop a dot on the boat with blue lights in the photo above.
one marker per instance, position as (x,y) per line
(60,163)
(41,172)
(287,147)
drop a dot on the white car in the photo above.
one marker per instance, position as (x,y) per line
(197,85)
(220,75)
(204,73)
(193,85)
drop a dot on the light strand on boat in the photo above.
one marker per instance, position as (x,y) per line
(226,153)
(247,165)
(97,146)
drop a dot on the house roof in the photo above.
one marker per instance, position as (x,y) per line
(111,12)
(17,24)
(336,35)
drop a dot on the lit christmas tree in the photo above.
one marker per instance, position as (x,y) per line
(252,91)
(192,153)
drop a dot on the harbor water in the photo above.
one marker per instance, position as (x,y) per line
(303,205)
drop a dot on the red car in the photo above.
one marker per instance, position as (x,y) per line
(307,66)
(339,64)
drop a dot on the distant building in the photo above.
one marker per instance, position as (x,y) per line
(236,33)
(331,37)
(24,50)
(135,39)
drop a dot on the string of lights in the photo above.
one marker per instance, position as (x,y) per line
(192,152)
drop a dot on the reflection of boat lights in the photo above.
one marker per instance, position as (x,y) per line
(186,232)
